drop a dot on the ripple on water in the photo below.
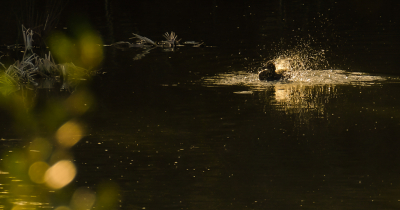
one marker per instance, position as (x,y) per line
(303,77)
(307,91)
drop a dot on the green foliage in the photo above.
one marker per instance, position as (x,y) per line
(41,171)
(7,84)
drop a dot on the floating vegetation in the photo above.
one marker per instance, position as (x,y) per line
(170,42)
(147,44)
(27,71)
(171,39)
(144,40)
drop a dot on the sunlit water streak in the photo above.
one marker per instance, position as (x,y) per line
(301,65)
(302,77)
(304,95)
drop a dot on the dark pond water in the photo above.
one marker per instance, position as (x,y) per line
(193,128)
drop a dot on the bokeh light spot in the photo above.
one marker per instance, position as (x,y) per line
(107,195)
(62,208)
(82,198)
(62,47)
(83,46)
(91,49)
(37,170)
(69,134)
(60,154)
(60,174)
(40,149)
(19,207)
(79,102)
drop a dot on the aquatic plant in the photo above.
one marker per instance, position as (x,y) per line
(47,66)
(25,72)
(144,40)
(27,34)
(147,44)
(7,83)
(22,71)
(40,17)
(122,45)
(171,39)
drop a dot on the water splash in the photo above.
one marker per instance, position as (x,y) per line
(299,57)
(310,84)
(304,95)
(302,64)
(303,77)
(297,60)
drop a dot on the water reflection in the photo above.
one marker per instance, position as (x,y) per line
(298,98)
(300,77)
(305,93)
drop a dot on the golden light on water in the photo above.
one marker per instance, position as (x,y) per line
(40,149)
(18,207)
(60,174)
(82,199)
(62,208)
(69,134)
(60,154)
(282,65)
(280,94)
(37,171)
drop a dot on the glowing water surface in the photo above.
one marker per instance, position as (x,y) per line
(302,66)
(302,77)
(306,91)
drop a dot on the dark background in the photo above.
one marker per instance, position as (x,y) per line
(356,35)
(155,129)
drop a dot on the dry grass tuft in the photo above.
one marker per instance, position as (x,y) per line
(24,72)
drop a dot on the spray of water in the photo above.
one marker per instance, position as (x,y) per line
(299,57)
(304,63)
